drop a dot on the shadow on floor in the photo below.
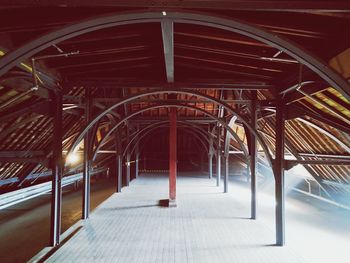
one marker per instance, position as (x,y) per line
(161,203)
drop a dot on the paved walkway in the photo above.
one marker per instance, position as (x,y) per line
(207,226)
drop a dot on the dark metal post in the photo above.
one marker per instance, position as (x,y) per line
(226,173)
(87,157)
(279,174)
(137,165)
(210,162)
(218,158)
(210,158)
(57,170)
(118,162)
(253,153)
(127,161)
(172,157)
(128,168)
(137,156)
(120,169)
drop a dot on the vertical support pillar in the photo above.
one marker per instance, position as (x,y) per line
(279,174)
(127,161)
(119,166)
(128,168)
(137,157)
(172,157)
(253,157)
(210,163)
(119,173)
(226,173)
(137,165)
(218,158)
(87,159)
(210,158)
(57,170)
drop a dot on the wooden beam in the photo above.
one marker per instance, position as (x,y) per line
(43,160)
(239,5)
(121,83)
(296,111)
(21,154)
(168,45)
(291,163)
(40,107)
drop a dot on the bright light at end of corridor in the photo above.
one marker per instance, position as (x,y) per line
(72,158)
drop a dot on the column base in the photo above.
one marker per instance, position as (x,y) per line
(172,203)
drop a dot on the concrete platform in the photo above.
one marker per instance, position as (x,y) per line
(206,226)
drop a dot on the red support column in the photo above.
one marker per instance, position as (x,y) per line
(172,158)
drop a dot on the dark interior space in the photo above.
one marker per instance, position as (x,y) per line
(195,131)
(154,151)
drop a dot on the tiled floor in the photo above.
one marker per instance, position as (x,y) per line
(207,226)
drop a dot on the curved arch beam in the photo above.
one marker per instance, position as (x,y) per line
(142,137)
(187,123)
(136,134)
(177,106)
(161,125)
(152,130)
(233,25)
(174,91)
(195,127)
(215,142)
(240,142)
(101,125)
(228,137)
